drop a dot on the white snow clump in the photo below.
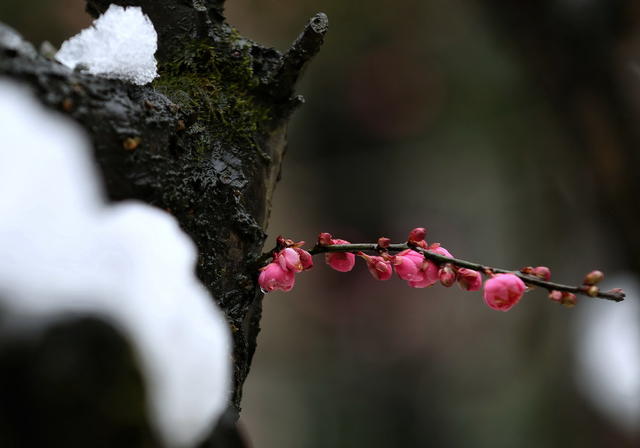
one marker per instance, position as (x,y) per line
(120,44)
(608,354)
(64,251)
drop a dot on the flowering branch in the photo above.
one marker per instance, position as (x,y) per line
(422,266)
(616,295)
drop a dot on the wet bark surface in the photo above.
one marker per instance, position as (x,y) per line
(204,141)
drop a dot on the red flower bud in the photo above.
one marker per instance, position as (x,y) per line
(415,269)
(556,296)
(324,239)
(416,235)
(273,277)
(542,272)
(340,261)
(469,280)
(503,291)
(289,259)
(527,270)
(383,243)
(379,268)
(306,259)
(408,264)
(438,249)
(447,275)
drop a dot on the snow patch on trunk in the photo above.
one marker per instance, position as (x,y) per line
(120,44)
(65,251)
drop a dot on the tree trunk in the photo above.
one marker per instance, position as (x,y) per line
(204,141)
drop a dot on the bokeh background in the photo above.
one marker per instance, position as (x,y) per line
(511,130)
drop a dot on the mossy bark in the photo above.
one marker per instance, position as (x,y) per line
(204,142)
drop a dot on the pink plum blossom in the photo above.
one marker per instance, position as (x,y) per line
(274,277)
(469,280)
(430,276)
(415,269)
(447,275)
(340,261)
(384,243)
(306,259)
(555,295)
(325,239)
(542,272)
(379,268)
(503,291)
(289,259)
(440,251)
(568,299)
(417,235)
(408,264)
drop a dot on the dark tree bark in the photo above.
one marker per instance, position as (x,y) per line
(205,141)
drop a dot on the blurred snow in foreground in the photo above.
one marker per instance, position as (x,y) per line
(64,251)
(120,44)
(608,354)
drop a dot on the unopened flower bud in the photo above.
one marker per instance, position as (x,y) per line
(469,280)
(593,277)
(527,270)
(416,235)
(340,261)
(305,258)
(383,243)
(542,272)
(568,299)
(592,291)
(408,265)
(503,291)
(438,249)
(273,277)
(289,259)
(324,239)
(555,295)
(430,276)
(447,275)
(415,269)
(379,268)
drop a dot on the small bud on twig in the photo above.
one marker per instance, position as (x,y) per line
(568,299)
(593,278)
(383,243)
(556,296)
(542,272)
(447,275)
(592,291)
(324,239)
(417,235)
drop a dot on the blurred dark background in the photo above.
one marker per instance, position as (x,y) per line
(511,131)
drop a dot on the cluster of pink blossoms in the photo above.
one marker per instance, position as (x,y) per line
(280,274)
(501,291)
(418,272)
